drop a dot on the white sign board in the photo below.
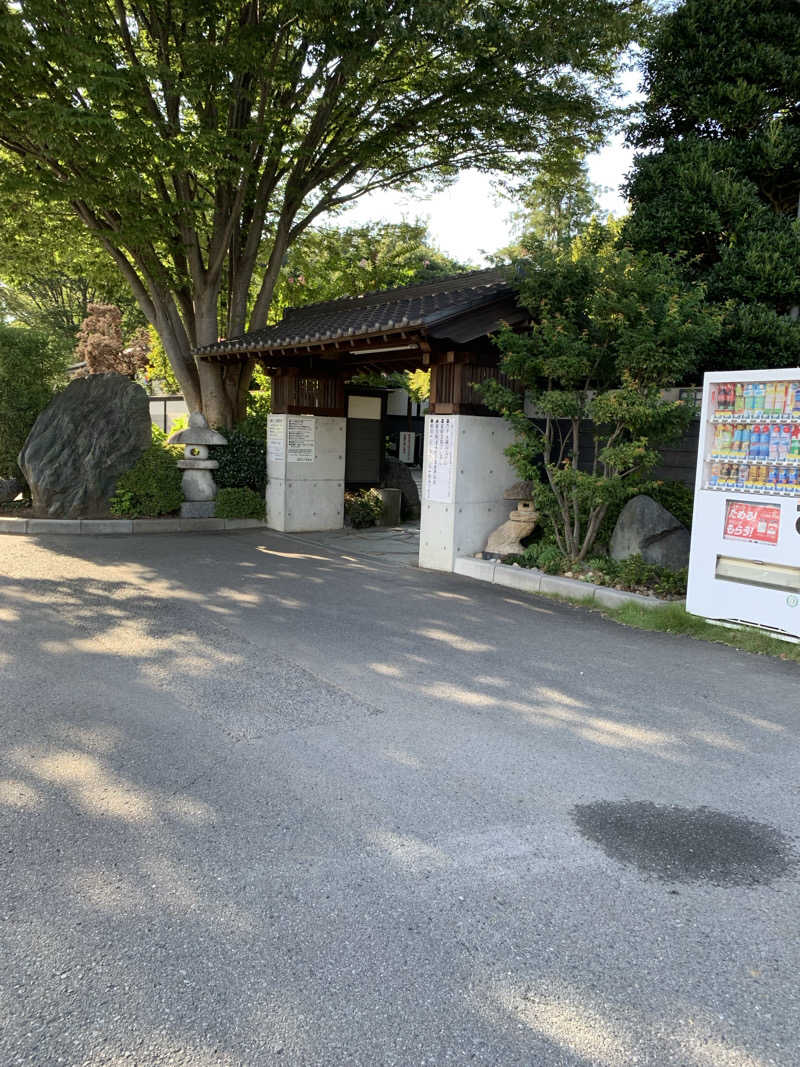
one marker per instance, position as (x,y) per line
(440,443)
(276,438)
(300,439)
(406,447)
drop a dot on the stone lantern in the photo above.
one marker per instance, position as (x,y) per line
(199,487)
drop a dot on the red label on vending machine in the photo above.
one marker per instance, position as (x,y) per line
(752,522)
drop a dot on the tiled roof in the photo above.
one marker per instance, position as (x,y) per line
(413,307)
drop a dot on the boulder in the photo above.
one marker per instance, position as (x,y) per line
(396,475)
(10,488)
(87,436)
(647,529)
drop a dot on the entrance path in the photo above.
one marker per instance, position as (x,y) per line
(261,803)
(391,544)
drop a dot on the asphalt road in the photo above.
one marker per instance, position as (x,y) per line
(262,804)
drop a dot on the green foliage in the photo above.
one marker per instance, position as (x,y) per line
(634,575)
(363,507)
(198,142)
(239,504)
(611,329)
(31,369)
(544,555)
(152,486)
(259,405)
(717,186)
(243,461)
(555,205)
(331,262)
(159,373)
(51,270)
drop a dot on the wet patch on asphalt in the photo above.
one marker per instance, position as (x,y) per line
(687,844)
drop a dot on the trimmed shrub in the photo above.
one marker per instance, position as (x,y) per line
(239,504)
(363,507)
(153,484)
(243,461)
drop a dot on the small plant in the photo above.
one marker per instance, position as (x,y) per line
(153,484)
(239,504)
(363,507)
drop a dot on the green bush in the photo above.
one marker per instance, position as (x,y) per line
(363,508)
(635,575)
(243,461)
(30,372)
(153,484)
(632,574)
(239,504)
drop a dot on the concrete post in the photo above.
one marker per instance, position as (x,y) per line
(464,476)
(305,472)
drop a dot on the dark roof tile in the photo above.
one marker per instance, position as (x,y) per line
(425,304)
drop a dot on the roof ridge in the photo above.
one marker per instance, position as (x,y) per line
(447,283)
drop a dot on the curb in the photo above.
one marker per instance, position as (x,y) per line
(530,580)
(95,527)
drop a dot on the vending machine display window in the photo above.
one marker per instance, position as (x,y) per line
(745,555)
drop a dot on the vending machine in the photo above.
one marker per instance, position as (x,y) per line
(744,565)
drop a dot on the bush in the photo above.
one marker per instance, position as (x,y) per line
(243,461)
(632,574)
(153,484)
(544,554)
(239,504)
(637,576)
(30,372)
(363,508)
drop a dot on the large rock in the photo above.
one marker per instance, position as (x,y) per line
(647,529)
(82,442)
(396,475)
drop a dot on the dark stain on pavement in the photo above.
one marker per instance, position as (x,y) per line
(687,844)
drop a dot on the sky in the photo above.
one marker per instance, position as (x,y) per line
(469,220)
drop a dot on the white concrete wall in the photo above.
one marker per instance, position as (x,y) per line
(308,496)
(460,525)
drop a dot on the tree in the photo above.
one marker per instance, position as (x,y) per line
(717,184)
(51,270)
(331,262)
(30,370)
(556,204)
(611,329)
(196,141)
(101,347)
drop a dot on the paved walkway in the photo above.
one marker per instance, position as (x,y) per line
(393,544)
(269,802)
